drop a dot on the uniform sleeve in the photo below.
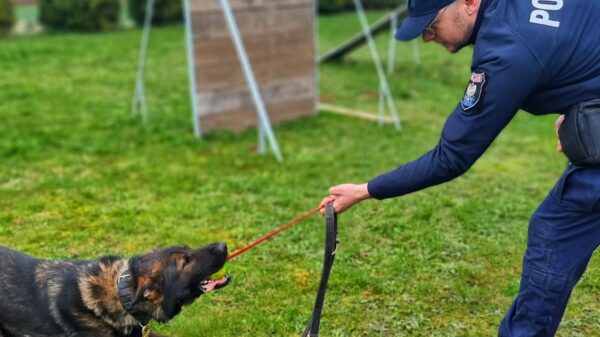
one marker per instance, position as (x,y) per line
(509,79)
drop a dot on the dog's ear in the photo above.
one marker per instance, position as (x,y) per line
(147,290)
(151,295)
(146,278)
(139,293)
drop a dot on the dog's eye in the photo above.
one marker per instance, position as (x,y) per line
(187,259)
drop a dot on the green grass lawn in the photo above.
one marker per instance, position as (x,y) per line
(80,178)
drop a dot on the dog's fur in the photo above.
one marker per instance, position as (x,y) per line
(81,298)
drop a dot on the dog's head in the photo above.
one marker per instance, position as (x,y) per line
(167,279)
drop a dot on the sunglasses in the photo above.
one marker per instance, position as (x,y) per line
(435,20)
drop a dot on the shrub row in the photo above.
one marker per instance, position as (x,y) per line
(332,6)
(86,15)
(165,11)
(6,16)
(92,15)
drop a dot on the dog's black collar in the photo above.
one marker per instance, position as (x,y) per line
(127,298)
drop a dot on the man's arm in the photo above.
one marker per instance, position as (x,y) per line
(469,130)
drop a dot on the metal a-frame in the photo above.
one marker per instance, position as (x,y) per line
(139,101)
(367,36)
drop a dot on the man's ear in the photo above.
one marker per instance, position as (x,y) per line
(471,6)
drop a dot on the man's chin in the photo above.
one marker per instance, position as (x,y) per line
(453,49)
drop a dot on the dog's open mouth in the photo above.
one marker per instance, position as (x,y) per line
(209,285)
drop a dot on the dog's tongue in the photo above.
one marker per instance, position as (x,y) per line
(210,285)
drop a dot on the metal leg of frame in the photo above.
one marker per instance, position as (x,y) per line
(139,99)
(189,38)
(377,60)
(381,106)
(416,52)
(392,44)
(250,79)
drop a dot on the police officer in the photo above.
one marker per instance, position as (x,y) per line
(542,56)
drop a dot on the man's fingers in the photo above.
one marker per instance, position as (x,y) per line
(557,125)
(338,205)
(559,146)
(324,203)
(558,122)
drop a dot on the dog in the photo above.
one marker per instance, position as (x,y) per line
(108,297)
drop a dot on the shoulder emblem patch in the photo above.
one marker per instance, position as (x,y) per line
(473,92)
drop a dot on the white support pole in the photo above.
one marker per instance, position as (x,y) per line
(191,60)
(262,148)
(317,46)
(139,98)
(250,79)
(377,60)
(416,52)
(392,44)
(381,106)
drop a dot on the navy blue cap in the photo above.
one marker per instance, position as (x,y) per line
(420,14)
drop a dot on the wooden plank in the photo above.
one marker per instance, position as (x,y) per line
(227,74)
(214,6)
(354,113)
(258,22)
(278,36)
(245,118)
(211,51)
(212,25)
(276,91)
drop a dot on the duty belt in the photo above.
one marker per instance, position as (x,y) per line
(579,133)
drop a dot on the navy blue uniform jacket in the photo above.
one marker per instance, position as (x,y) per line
(541,56)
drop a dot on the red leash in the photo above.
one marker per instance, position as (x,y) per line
(273,233)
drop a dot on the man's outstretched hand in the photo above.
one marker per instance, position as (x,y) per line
(557,124)
(345,196)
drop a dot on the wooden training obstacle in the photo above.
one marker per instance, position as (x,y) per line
(279,39)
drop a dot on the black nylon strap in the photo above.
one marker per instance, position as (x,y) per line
(126,296)
(312,328)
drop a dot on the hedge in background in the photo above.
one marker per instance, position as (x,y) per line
(165,11)
(332,6)
(86,15)
(6,17)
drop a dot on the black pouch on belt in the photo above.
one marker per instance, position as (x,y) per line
(579,133)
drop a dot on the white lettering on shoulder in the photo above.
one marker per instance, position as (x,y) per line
(541,15)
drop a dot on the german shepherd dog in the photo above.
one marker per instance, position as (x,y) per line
(109,297)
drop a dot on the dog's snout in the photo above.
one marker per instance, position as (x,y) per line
(220,248)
